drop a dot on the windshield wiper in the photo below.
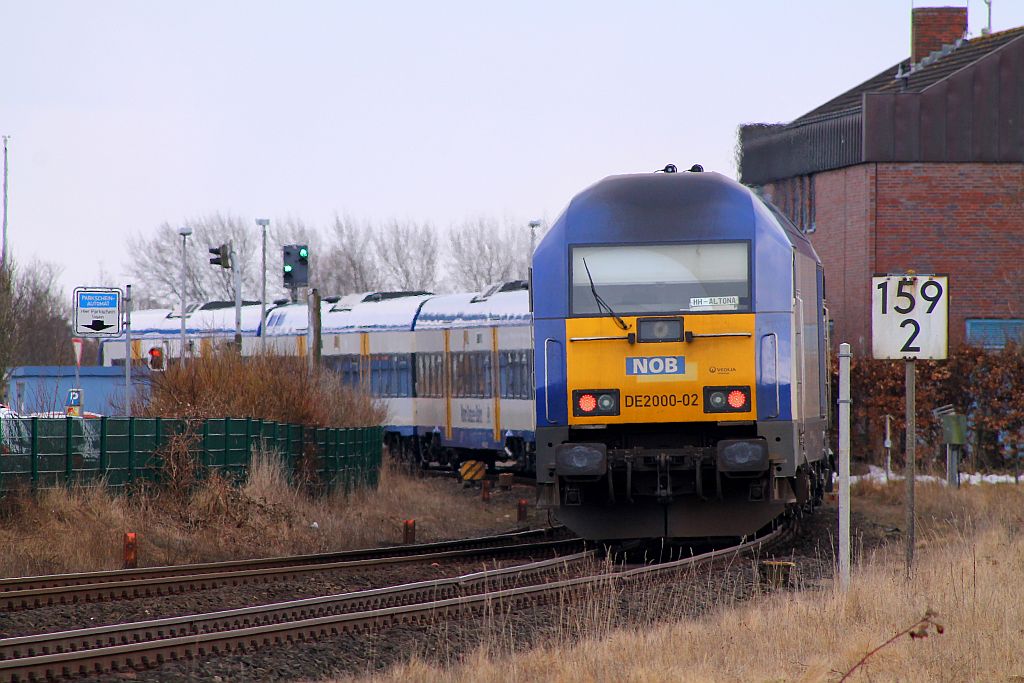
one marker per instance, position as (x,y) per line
(601,303)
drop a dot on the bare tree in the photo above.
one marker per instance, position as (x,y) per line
(156,260)
(483,251)
(348,263)
(407,254)
(34,318)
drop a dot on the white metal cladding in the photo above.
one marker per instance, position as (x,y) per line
(392,342)
(341,344)
(517,414)
(163,323)
(390,314)
(454,311)
(515,338)
(474,414)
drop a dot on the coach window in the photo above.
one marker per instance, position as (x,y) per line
(662,278)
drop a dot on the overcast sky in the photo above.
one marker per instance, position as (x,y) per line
(124,115)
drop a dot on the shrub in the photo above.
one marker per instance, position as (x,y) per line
(984,385)
(268,386)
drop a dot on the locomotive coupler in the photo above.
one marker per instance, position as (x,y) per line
(664,492)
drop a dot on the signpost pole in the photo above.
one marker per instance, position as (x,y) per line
(888,448)
(128,351)
(76,344)
(844,466)
(910,468)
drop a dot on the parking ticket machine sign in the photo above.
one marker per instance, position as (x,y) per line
(909,316)
(97,312)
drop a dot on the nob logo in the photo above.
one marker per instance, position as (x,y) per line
(656,365)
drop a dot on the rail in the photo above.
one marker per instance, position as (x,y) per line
(145,644)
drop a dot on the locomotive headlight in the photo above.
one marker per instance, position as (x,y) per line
(659,330)
(595,402)
(581,459)
(742,455)
(726,399)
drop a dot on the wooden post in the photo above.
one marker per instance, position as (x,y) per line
(485,490)
(131,550)
(409,531)
(316,327)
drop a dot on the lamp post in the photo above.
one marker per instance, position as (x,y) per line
(184,231)
(534,224)
(263,223)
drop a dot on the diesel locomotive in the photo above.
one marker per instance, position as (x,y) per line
(680,339)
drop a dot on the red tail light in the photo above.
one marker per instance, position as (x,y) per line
(587,403)
(737,399)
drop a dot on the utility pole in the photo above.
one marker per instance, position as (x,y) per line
(3,249)
(263,223)
(237,272)
(184,231)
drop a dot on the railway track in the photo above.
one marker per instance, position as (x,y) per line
(144,644)
(39,591)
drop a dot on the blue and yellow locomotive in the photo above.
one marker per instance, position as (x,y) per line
(681,344)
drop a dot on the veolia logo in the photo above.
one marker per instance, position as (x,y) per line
(656,365)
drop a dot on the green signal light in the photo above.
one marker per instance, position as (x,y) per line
(287,268)
(303,253)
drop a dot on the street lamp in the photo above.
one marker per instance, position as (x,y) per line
(184,231)
(263,223)
(534,224)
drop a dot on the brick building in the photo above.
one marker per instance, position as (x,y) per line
(920,167)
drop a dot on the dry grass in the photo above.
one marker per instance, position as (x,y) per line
(970,570)
(271,387)
(81,529)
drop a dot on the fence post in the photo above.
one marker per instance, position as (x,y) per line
(103,446)
(225,456)
(35,452)
(69,451)
(206,443)
(131,449)
(248,444)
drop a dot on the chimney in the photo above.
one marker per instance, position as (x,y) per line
(933,27)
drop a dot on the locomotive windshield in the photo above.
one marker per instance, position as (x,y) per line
(662,278)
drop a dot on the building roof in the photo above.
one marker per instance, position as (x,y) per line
(978,73)
(931,70)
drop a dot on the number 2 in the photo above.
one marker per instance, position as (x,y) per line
(907,347)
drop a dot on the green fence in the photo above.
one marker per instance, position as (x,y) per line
(49,452)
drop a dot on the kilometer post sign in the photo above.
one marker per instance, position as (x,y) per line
(909,316)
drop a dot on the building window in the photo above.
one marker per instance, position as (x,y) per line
(994,334)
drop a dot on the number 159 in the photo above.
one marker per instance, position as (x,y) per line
(931,291)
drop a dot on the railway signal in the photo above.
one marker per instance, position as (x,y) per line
(221,256)
(295,268)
